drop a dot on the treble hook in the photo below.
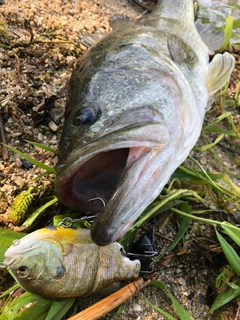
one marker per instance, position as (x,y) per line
(68,222)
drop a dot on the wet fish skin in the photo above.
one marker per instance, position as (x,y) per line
(59,263)
(135,108)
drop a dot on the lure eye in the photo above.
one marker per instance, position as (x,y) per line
(23,271)
(87,116)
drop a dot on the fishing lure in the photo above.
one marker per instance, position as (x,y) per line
(63,262)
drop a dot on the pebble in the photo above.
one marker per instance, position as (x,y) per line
(53,126)
(137,307)
(18,163)
(181,281)
(19,181)
(41,137)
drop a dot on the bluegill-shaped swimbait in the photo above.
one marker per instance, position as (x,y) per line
(135,108)
(59,263)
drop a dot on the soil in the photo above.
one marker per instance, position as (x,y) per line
(40,42)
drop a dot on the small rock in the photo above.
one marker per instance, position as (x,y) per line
(53,126)
(40,137)
(20,182)
(18,163)
(137,307)
(181,281)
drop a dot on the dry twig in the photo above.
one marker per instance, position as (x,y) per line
(111,302)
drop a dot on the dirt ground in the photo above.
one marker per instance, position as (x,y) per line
(40,42)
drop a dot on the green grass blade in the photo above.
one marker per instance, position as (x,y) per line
(236,23)
(42,146)
(223,298)
(6,239)
(187,174)
(158,284)
(182,313)
(210,145)
(226,274)
(31,160)
(26,306)
(182,229)
(232,231)
(167,315)
(8,291)
(59,309)
(233,4)
(230,253)
(228,31)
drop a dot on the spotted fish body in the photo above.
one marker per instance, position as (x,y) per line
(59,263)
(135,108)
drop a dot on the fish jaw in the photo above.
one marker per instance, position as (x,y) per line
(140,185)
(96,169)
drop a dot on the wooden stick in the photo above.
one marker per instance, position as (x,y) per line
(111,302)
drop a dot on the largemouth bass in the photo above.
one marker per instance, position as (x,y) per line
(59,263)
(135,108)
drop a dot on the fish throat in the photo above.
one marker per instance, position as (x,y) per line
(95,180)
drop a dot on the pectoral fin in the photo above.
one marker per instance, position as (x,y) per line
(181,52)
(219,71)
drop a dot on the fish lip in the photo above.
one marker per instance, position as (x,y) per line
(10,260)
(11,256)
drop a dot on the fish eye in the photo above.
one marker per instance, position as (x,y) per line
(22,271)
(87,116)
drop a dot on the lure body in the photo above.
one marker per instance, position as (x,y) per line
(62,262)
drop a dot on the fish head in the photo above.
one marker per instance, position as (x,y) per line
(113,130)
(34,262)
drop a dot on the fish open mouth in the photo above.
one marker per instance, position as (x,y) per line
(95,181)
(110,177)
(92,183)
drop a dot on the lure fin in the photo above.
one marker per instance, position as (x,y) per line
(143,250)
(109,289)
(219,71)
(181,52)
(212,38)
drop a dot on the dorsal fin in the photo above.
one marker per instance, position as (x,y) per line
(212,38)
(219,72)
(120,21)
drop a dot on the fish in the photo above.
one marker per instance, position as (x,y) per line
(135,108)
(59,263)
